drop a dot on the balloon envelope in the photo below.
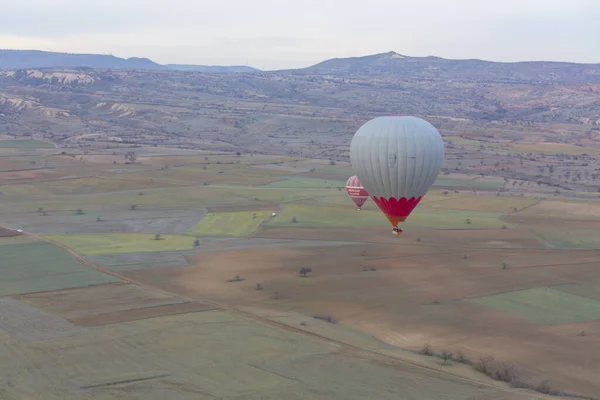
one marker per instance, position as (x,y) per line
(397,159)
(357,192)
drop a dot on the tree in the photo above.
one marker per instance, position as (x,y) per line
(426,350)
(305,271)
(157,236)
(97,219)
(467,221)
(446,355)
(196,243)
(294,219)
(259,286)
(133,207)
(79,211)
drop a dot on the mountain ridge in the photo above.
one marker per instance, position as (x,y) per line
(388,63)
(432,67)
(28,59)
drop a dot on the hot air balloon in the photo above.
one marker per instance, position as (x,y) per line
(397,159)
(357,193)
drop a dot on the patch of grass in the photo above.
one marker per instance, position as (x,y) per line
(590,290)
(239,223)
(41,266)
(563,236)
(100,243)
(564,209)
(553,148)
(306,183)
(22,239)
(25,144)
(468,183)
(543,305)
(469,202)
(317,215)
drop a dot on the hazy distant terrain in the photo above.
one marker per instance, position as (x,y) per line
(314,112)
(15,59)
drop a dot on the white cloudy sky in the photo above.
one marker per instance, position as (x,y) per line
(272,34)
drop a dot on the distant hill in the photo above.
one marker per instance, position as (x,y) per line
(20,59)
(472,69)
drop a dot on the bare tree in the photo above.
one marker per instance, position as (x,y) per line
(484,364)
(446,355)
(426,350)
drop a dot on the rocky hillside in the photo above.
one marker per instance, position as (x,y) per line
(471,70)
(294,112)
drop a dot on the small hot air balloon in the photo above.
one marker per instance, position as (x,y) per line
(357,193)
(397,158)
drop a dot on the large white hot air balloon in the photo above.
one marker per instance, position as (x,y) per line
(397,159)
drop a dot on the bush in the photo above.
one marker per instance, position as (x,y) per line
(326,318)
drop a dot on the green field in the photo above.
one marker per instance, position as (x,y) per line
(591,290)
(306,183)
(17,240)
(317,215)
(40,266)
(143,260)
(239,223)
(543,305)
(565,238)
(468,183)
(468,202)
(99,243)
(25,144)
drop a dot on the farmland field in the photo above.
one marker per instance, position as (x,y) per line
(544,305)
(310,215)
(91,244)
(240,223)
(39,266)
(484,267)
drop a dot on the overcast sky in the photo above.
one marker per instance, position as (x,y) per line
(273,34)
